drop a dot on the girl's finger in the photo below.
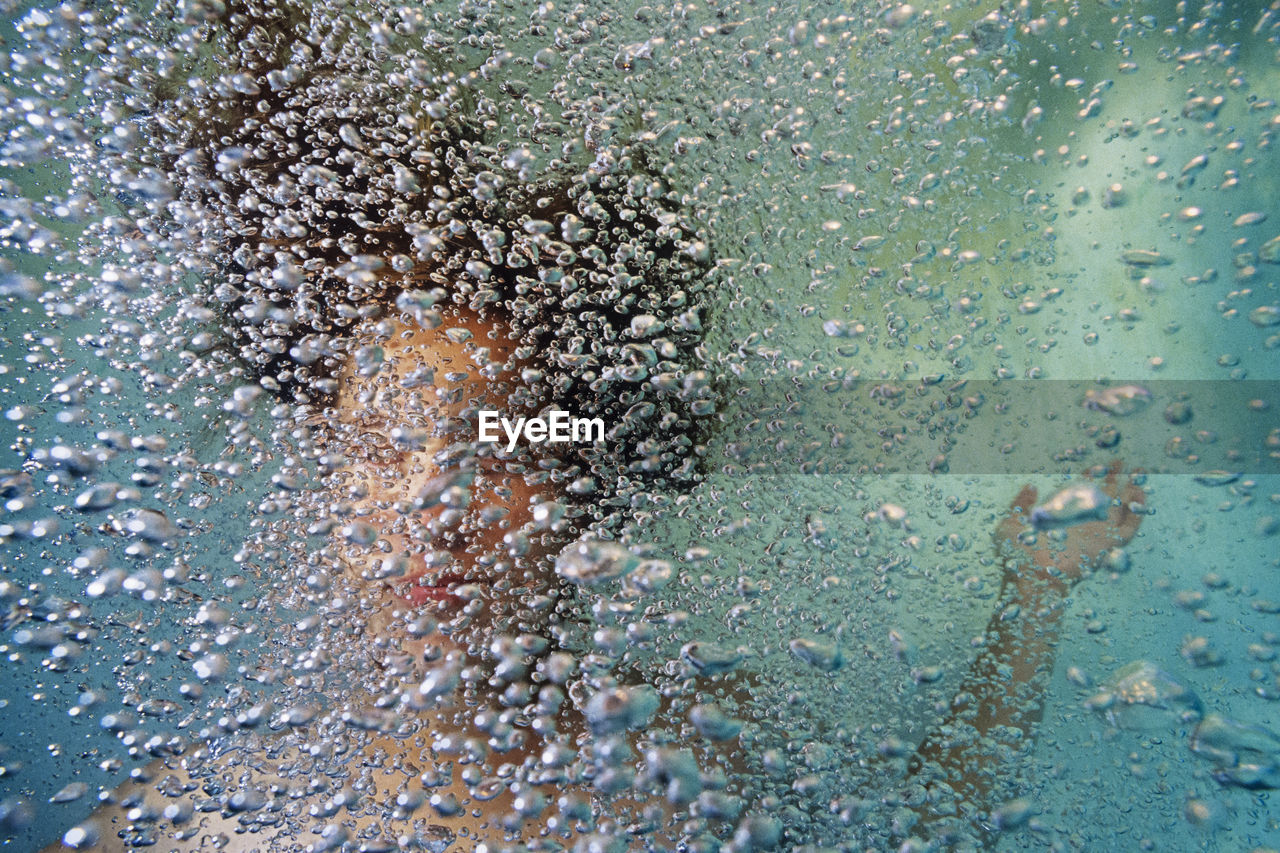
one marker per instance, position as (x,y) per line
(1025,500)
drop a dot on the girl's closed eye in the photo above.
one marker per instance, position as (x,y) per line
(381,454)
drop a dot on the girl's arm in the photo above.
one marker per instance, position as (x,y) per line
(1002,697)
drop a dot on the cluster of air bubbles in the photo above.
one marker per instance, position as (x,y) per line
(1144,698)
(312,183)
(268,196)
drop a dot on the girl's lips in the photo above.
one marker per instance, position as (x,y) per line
(419,594)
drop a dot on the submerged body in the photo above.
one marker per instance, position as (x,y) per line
(451,547)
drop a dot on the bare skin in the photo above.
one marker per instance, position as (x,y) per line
(1002,697)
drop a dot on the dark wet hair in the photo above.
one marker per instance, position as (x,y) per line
(335,195)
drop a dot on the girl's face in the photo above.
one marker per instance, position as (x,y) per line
(442,526)
(442,523)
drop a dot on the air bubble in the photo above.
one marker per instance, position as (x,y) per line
(1143,697)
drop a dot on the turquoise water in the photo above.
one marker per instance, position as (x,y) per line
(929,242)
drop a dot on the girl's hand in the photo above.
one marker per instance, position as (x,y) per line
(1070,550)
